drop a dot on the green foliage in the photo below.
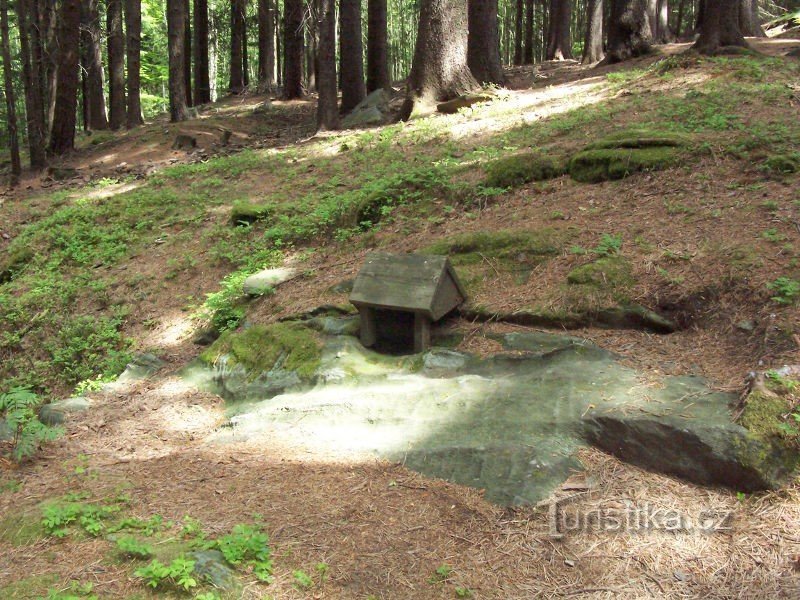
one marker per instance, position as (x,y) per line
(177,574)
(244,213)
(441,574)
(261,348)
(520,169)
(18,409)
(57,517)
(607,272)
(247,545)
(75,591)
(504,244)
(146,527)
(783,164)
(786,290)
(463,592)
(302,580)
(609,245)
(133,548)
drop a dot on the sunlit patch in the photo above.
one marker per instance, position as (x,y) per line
(172,333)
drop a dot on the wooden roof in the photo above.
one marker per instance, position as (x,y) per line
(410,282)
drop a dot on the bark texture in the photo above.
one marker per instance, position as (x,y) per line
(593,43)
(720,27)
(176,34)
(266,44)
(483,43)
(629,32)
(202,85)
(293,49)
(33,90)
(351,53)
(327,112)
(116,64)
(377,44)
(133,49)
(559,40)
(62,135)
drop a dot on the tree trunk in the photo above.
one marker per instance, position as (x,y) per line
(34,110)
(245,64)
(116,64)
(377,44)
(11,110)
(48,46)
(187,53)
(327,113)
(749,20)
(293,49)
(266,45)
(176,34)
(94,100)
(679,20)
(559,40)
(483,42)
(720,27)
(351,54)
(236,85)
(629,32)
(663,34)
(133,25)
(593,45)
(519,24)
(202,85)
(529,6)
(439,70)
(62,136)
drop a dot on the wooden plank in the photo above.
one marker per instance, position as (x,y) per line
(369,332)
(422,332)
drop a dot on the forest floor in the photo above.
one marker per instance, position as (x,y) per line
(135,252)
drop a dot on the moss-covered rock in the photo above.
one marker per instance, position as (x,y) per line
(14,260)
(470,248)
(605,164)
(263,348)
(607,272)
(520,169)
(784,164)
(246,213)
(626,152)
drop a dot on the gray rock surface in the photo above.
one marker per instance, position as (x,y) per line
(58,412)
(265,281)
(372,110)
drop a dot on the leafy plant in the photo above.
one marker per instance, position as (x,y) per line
(75,591)
(786,290)
(441,574)
(609,245)
(248,545)
(302,580)
(56,517)
(134,548)
(179,574)
(18,408)
(463,592)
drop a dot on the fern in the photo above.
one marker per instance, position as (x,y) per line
(18,408)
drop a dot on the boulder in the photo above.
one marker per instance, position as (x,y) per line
(372,110)
(56,413)
(210,566)
(184,142)
(264,282)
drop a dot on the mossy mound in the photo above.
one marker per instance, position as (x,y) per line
(785,164)
(606,272)
(640,138)
(246,213)
(626,152)
(263,348)
(520,169)
(15,259)
(479,257)
(469,248)
(607,164)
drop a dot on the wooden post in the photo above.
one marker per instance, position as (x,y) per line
(422,332)
(369,333)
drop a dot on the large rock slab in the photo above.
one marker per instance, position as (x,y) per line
(371,111)
(510,424)
(56,413)
(264,282)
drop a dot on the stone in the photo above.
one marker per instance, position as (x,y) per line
(343,287)
(184,142)
(141,367)
(225,137)
(372,110)
(453,106)
(56,413)
(263,107)
(210,566)
(264,282)
(747,326)
(510,424)
(62,173)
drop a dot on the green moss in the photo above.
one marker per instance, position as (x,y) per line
(640,138)
(262,348)
(606,272)
(783,163)
(764,414)
(603,164)
(20,530)
(520,169)
(17,256)
(30,588)
(469,248)
(244,213)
